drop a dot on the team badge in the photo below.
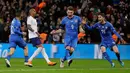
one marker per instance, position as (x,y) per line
(76,21)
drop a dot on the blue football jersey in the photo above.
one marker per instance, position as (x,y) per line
(15,35)
(105,30)
(71,25)
(15,27)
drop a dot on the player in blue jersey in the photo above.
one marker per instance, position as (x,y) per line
(71,23)
(16,39)
(106,29)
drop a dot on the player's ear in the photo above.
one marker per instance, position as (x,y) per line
(67,11)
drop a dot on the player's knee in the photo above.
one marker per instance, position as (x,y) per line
(71,49)
(68,47)
(11,52)
(115,49)
(103,49)
(43,50)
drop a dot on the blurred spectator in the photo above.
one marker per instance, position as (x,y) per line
(102,7)
(49,17)
(24,31)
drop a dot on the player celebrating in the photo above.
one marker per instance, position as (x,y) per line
(16,39)
(71,23)
(106,28)
(35,39)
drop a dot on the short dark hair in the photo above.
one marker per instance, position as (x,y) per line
(70,8)
(102,14)
(17,14)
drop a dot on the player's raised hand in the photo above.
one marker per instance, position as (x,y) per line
(53,32)
(83,21)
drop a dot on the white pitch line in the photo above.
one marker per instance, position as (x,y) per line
(109,69)
(28,70)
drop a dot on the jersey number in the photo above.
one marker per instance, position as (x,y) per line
(12,28)
(103,31)
(72,26)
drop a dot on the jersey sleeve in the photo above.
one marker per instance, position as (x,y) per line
(79,20)
(16,28)
(91,27)
(29,21)
(114,31)
(62,25)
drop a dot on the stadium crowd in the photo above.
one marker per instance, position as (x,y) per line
(49,17)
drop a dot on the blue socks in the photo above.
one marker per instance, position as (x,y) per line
(67,55)
(107,57)
(26,59)
(118,57)
(8,57)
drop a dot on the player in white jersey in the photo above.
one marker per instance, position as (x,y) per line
(35,39)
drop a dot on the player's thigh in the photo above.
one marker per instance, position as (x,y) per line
(74,43)
(115,49)
(21,43)
(112,45)
(67,42)
(12,43)
(12,51)
(103,46)
(36,42)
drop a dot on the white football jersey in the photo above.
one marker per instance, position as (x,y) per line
(32,21)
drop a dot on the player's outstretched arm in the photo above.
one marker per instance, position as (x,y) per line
(117,34)
(57,31)
(87,26)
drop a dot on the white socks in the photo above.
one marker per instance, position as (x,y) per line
(45,55)
(35,53)
(42,50)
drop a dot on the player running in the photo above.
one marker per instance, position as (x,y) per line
(106,29)
(16,39)
(71,23)
(35,39)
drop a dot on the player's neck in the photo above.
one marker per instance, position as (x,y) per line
(17,18)
(103,22)
(32,16)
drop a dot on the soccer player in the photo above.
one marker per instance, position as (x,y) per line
(106,29)
(16,39)
(71,23)
(35,39)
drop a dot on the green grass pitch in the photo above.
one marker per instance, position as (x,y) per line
(78,66)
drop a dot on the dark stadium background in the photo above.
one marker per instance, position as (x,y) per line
(49,17)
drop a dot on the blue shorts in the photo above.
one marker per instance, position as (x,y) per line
(15,40)
(108,44)
(71,41)
(36,41)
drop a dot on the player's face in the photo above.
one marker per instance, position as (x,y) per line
(70,12)
(100,18)
(34,12)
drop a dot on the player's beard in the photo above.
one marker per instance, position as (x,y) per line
(70,16)
(101,21)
